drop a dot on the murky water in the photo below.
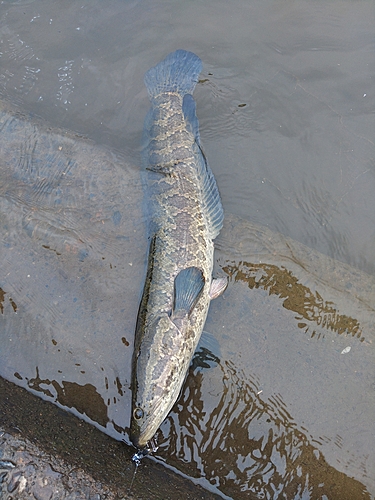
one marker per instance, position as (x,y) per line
(281,403)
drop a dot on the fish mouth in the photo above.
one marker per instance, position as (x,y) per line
(135,438)
(135,434)
(140,437)
(140,433)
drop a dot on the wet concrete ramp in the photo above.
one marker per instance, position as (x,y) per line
(281,396)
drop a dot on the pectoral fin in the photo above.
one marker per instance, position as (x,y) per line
(218,285)
(188,287)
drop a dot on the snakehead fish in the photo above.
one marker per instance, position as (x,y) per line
(185,216)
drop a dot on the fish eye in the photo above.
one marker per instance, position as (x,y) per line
(138,413)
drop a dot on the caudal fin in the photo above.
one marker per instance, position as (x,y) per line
(178,72)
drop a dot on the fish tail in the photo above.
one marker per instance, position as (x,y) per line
(178,72)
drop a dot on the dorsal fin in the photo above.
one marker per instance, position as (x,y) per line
(210,195)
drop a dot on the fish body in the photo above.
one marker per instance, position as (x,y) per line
(185,216)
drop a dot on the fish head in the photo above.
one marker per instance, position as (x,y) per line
(159,371)
(140,430)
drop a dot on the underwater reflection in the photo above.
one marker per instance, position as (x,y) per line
(84,398)
(311,309)
(246,446)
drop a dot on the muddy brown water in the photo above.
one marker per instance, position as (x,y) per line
(279,399)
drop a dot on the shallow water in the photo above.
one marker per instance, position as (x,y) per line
(280,407)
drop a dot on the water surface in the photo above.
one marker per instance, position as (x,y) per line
(276,405)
